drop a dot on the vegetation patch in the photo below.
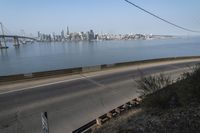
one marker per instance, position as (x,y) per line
(167,107)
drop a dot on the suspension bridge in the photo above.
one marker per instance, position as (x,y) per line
(16,39)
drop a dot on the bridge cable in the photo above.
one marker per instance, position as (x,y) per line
(152,14)
(6,31)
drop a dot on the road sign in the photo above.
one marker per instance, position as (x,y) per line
(45,127)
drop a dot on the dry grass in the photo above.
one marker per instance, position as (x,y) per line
(166,107)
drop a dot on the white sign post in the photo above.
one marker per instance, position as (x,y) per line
(45,127)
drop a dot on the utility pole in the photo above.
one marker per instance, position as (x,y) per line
(4,40)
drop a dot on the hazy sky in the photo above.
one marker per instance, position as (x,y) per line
(103,16)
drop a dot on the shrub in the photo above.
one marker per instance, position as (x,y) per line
(158,91)
(163,99)
(150,84)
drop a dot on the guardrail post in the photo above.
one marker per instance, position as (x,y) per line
(132,102)
(99,122)
(117,110)
(125,106)
(109,115)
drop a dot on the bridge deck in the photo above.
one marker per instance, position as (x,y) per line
(16,36)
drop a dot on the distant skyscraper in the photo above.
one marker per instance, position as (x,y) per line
(91,35)
(62,34)
(67,30)
(39,34)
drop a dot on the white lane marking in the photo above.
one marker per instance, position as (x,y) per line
(47,84)
(93,81)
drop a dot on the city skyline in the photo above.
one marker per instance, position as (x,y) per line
(115,17)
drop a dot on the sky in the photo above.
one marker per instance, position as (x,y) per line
(103,16)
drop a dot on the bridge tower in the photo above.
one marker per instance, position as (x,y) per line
(4,40)
(16,41)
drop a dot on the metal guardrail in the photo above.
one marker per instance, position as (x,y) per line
(85,127)
(133,104)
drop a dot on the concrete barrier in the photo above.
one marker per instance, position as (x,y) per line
(78,70)
(28,75)
(91,69)
(58,72)
(36,75)
(12,78)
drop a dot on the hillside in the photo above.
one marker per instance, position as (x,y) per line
(172,109)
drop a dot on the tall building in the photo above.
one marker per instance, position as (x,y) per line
(91,35)
(68,30)
(62,34)
(39,34)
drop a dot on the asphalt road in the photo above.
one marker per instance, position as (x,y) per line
(75,102)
